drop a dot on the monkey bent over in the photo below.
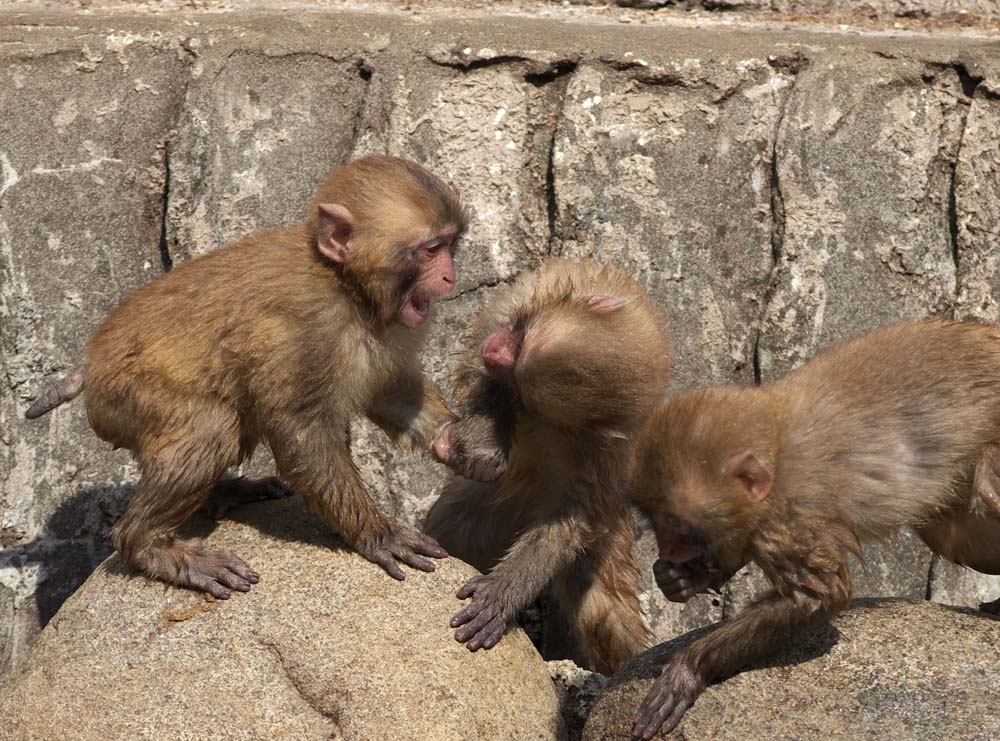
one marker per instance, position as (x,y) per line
(282,337)
(562,368)
(897,428)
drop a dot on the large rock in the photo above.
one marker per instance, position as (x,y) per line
(326,646)
(883,669)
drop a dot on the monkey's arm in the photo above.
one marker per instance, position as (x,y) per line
(477,445)
(317,465)
(755,633)
(531,563)
(410,412)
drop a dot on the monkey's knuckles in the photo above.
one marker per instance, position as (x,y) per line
(482,623)
(673,693)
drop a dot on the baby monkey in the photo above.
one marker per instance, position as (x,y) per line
(898,428)
(282,337)
(563,367)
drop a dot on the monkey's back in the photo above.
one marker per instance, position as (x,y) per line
(900,414)
(209,330)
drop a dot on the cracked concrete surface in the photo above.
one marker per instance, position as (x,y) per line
(775,191)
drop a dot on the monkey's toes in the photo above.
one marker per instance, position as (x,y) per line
(213,572)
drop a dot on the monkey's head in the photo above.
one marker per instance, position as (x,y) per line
(583,348)
(391,229)
(701,470)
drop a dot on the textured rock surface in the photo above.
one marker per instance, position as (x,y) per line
(326,646)
(578,689)
(774,190)
(884,669)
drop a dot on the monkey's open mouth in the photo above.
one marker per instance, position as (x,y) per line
(415,310)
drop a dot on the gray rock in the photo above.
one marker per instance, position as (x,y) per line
(326,646)
(577,689)
(883,669)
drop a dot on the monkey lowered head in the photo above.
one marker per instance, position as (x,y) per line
(391,227)
(701,470)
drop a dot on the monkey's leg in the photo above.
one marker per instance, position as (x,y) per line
(232,492)
(469,524)
(317,465)
(176,480)
(986,482)
(411,413)
(535,558)
(969,536)
(600,596)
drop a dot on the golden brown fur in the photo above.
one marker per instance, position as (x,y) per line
(583,381)
(269,340)
(897,428)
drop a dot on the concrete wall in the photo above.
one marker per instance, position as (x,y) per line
(775,192)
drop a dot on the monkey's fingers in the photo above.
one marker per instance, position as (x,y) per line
(470,587)
(411,559)
(425,545)
(480,621)
(654,710)
(465,615)
(488,636)
(681,706)
(384,558)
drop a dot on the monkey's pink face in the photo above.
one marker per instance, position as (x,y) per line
(500,352)
(432,261)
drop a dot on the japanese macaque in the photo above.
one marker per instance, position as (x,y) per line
(562,368)
(282,337)
(898,428)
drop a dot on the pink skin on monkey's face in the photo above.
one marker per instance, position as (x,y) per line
(499,352)
(437,278)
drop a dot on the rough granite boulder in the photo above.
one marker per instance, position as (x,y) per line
(326,646)
(888,669)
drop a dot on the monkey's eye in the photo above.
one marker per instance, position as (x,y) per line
(432,248)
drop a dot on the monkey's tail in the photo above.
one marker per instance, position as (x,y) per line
(59,393)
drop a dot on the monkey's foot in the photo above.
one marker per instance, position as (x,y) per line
(482,623)
(230,493)
(673,693)
(402,544)
(217,573)
(993,608)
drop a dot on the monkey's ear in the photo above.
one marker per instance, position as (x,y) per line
(336,227)
(752,474)
(604,304)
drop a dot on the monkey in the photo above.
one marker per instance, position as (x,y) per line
(897,428)
(561,367)
(281,338)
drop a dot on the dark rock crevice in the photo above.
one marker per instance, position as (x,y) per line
(778,220)
(969,84)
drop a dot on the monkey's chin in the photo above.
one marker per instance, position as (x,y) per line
(415,311)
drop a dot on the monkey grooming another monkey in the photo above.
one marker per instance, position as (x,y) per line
(898,428)
(563,367)
(282,337)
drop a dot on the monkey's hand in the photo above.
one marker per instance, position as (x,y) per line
(672,694)
(471,455)
(679,582)
(401,544)
(482,623)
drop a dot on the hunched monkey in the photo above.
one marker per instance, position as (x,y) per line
(281,337)
(898,428)
(561,369)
